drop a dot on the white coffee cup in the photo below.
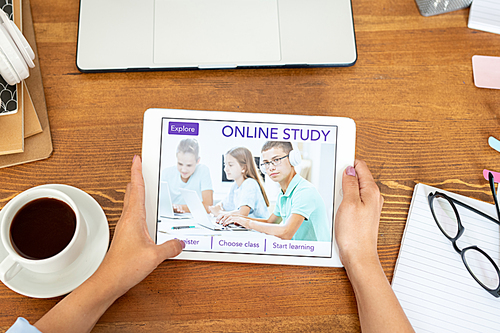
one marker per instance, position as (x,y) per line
(14,262)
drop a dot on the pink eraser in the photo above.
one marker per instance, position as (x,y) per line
(496,175)
(486,71)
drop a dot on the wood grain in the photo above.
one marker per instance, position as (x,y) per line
(419,119)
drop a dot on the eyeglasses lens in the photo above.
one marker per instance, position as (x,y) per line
(446,217)
(482,268)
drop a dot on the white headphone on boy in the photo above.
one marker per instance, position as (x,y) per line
(16,54)
(293,156)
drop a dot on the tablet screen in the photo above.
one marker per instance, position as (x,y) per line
(273,184)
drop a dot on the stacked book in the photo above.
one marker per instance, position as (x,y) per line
(24,128)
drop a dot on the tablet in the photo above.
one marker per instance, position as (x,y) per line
(277,175)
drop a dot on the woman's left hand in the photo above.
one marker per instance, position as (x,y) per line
(133,254)
(131,257)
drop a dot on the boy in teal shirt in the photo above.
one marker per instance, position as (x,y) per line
(299,203)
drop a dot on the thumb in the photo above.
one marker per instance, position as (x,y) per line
(350,185)
(171,249)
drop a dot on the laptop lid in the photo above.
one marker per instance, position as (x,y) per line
(117,35)
(165,202)
(196,208)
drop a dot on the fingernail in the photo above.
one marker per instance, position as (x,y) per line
(350,171)
(133,160)
(183,245)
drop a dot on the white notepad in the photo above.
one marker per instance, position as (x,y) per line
(485,15)
(431,282)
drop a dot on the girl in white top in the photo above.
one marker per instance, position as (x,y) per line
(247,196)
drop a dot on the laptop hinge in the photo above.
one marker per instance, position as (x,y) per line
(220,66)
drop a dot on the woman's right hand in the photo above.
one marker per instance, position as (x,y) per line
(357,220)
(356,232)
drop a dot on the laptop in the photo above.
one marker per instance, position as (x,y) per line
(200,215)
(165,208)
(126,35)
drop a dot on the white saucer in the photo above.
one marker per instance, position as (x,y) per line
(40,285)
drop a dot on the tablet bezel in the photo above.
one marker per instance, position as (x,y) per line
(152,127)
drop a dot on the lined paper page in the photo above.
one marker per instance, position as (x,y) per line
(485,15)
(431,282)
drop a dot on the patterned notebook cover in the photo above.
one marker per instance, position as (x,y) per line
(8,93)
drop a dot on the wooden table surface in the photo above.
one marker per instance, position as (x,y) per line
(419,119)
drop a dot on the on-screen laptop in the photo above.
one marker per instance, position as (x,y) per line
(165,204)
(131,35)
(200,215)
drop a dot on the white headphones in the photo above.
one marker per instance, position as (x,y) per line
(16,54)
(293,156)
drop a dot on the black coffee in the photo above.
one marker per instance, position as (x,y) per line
(42,228)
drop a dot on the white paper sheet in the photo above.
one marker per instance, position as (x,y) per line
(431,282)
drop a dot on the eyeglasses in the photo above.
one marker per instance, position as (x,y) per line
(479,264)
(275,162)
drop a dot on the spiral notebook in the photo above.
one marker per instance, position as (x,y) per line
(430,280)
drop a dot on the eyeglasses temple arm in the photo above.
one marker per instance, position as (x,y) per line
(491,178)
(486,216)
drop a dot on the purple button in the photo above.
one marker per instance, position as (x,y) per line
(183,128)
